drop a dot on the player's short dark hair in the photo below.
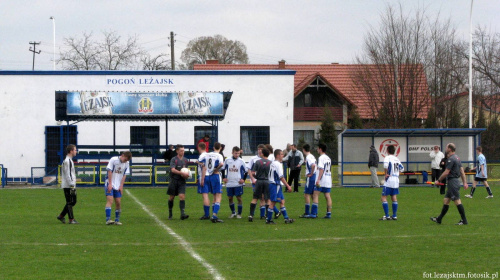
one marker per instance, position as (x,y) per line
(322,147)
(127,154)
(217,146)
(261,146)
(265,152)
(269,147)
(202,145)
(178,147)
(306,147)
(70,148)
(236,149)
(277,152)
(391,149)
(451,146)
(479,149)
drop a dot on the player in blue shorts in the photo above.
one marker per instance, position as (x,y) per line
(310,179)
(275,190)
(211,179)
(392,167)
(118,168)
(235,169)
(481,174)
(203,190)
(323,183)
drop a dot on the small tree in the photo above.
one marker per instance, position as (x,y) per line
(431,121)
(481,119)
(490,141)
(355,121)
(328,136)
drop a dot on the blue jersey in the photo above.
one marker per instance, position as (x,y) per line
(481,167)
(235,171)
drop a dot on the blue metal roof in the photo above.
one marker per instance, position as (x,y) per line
(147,72)
(412,132)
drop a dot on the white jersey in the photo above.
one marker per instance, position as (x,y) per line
(211,161)
(324,163)
(393,166)
(201,159)
(252,161)
(235,171)
(310,161)
(275,172)
(270,157)
(119,169)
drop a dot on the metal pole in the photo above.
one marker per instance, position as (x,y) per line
(54,37)
(470,66)
(172,55)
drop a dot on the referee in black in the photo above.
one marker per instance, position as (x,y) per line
(68,184)
(294,160)
(453,172)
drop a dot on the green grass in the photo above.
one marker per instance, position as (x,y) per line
(354,244)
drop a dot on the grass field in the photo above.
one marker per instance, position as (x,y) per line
(354,244)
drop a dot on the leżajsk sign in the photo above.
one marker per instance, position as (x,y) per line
(187,103)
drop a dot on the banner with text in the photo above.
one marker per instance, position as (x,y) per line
(420,149)
(145,103)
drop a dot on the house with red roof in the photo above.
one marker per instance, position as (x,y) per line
(317,86)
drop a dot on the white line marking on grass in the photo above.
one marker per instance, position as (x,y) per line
(186,245)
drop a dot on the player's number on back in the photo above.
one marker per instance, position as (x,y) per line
(328,166)
(210,163)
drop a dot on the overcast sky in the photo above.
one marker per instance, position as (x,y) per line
(321,31)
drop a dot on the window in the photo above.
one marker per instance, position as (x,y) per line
(145,136)
(201,131)
(307,100)
(306,135)
(252,136)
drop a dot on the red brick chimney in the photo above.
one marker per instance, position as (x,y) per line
(212,61)
(281,64)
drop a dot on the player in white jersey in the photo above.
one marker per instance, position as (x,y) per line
(323,183)
(235,169)
(271,158)
(392,167)
(211,179)
(118,168)
(202,188)
(275,189)
(481,174)
(252,178)
(311,171)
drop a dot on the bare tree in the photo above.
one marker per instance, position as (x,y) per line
(82,53)
(158,62)
(486,55)
(218,47)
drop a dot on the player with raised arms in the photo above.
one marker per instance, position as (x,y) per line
(323,183)
(203,189)
(275,190)
(392,167)
(211,179)
(235,180)
(310,179)
(118,168)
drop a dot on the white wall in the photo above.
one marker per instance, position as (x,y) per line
(28,105)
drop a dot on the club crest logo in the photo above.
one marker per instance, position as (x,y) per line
(385,144)
(145,105)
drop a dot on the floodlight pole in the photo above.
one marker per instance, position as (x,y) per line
(54,38)
(470,65)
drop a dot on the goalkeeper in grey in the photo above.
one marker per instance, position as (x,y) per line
(68,184)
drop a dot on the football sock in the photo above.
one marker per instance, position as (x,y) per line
(394,208)
(240,209)
(283,211)
(276,210)
(269,215)
(461,210)
(472,190)
(443,212)
(215,209)
(308,206)
(489,191)
(385,205)
(231,206)
(108,213)
(182,205)
(262,211)
(314,209)
(170,206)
(206,209)
(117,215)
(252,209)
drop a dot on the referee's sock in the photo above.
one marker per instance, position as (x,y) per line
(461,210)
(252,209)
(472,190)
(182,205)
(443,212)
(489,191)
(108,213)
(170,206)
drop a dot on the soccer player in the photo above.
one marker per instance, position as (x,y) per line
(211,179)
(235,169)
(323,183)
(203,188)
(454,170)
(392,167)
(68,184)
(260,172)
(481,174)
(310,179)
(177,186)
(118,168)
(250,173)
(275,190)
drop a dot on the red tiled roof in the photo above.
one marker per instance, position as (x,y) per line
(338,76)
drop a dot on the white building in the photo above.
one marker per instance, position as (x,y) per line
(260,110)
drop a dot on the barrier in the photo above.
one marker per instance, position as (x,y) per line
(2,176)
